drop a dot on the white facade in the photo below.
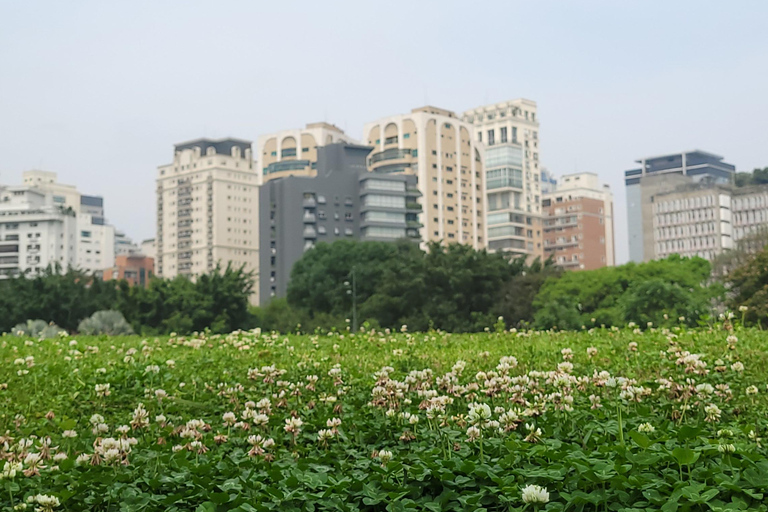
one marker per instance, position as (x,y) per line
(149,248)
(34,233)
(438,148)
(509,132)
(124,245)
(693,223)
(95,245)
(63,195)
(207,207)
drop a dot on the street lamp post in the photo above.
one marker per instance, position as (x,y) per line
(353,292)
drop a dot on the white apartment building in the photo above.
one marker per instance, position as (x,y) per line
(438,148)
(294,152)
(207,208)
(509,133)
(34,232)
(95,237)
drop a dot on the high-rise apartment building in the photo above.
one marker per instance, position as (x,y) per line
(578,223)
(437,147)
(510,133)
(207,208)
(35,232)
(697,165)
(342,202)
(294,152)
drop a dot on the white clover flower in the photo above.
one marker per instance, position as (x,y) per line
(535,494)
(591,351)
(102,390)
(726,448)
(229,418)
(69,434)
(10,469)
(646,428)
(743,309)
(738,366)
(60,456)
(170,363)
(160,418)
(413,420)
(731,339)
(177,448)
(385,456)
(82,459)
(751,390)
(473,434)
(152,368)
(713,413)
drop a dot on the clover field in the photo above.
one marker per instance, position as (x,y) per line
(593,420)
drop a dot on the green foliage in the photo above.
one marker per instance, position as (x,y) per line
(756,177)
(613,429)
(748,287)
(105,322)
(450,287)
(217,300)
(614,296)
(39,329)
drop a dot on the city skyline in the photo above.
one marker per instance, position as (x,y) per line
(103,108)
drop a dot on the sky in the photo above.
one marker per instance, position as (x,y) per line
(99,92)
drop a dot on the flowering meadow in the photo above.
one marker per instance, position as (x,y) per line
(602,419)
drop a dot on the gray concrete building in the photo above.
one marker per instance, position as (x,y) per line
(696,165)
(342,201)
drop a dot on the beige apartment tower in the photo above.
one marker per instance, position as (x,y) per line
(509,133)
(207,209)
(438,148)
(294,152)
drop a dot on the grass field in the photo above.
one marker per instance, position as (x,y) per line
(594,420)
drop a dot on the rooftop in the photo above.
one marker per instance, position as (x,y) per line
(692,152)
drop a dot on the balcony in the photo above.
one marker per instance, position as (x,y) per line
(310,232)
(390,154)
(309,202)
(309,218)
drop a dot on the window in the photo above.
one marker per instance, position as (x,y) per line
(385,217)
(490,138)
(385,185)
(384,232)
(384,201)
(480,136)
(503,134)
(406,135)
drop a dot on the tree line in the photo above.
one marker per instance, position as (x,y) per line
(217,301)
(453,288)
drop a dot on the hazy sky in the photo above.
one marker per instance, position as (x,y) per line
(100,91)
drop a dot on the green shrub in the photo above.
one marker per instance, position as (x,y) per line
(38,329)
(105,322)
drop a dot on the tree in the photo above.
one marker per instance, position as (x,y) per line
(748,287)
(576,298)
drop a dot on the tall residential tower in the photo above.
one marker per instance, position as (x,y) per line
(437,147)
(207,208)
(510,133)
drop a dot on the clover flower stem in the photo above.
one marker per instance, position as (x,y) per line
(10,493)
(482,460)
(621,426)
